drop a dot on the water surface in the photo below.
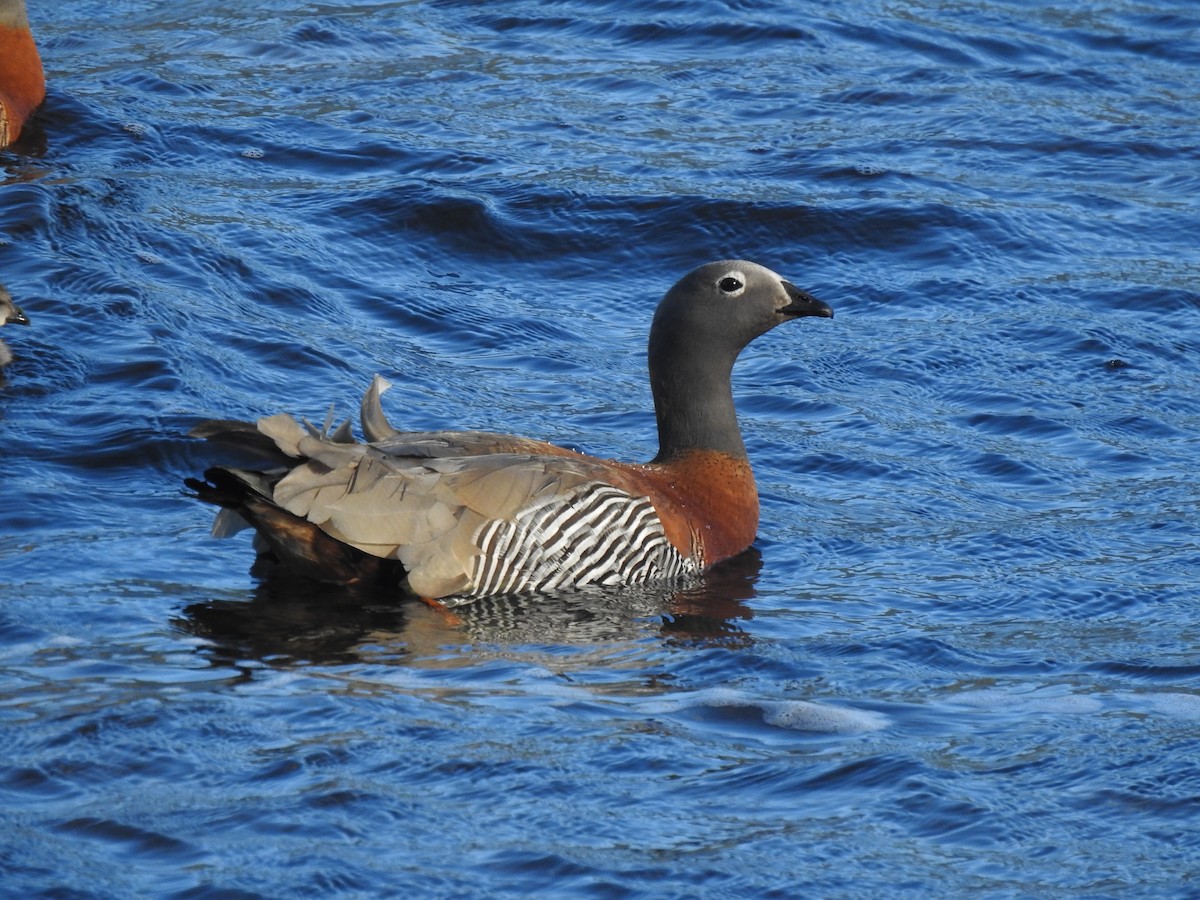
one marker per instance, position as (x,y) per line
(962,657)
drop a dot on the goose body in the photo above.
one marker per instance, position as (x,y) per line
(470,514)
(22,81)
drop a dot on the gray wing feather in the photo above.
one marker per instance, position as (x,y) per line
(428,513)
(419,497)
(374,423)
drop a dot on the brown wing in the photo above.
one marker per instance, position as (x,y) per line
(425,514)
(416,497)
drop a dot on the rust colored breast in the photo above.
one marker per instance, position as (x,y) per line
(22,83)
(707,501)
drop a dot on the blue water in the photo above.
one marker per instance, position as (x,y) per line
(962,659)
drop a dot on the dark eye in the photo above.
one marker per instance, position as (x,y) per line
(730,285)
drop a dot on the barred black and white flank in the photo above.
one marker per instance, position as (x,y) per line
(596,534)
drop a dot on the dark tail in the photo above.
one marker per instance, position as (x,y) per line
(297,544)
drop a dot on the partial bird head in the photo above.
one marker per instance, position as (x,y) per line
(9,311)
(723,306)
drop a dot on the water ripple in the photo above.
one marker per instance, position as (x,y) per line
(961,656)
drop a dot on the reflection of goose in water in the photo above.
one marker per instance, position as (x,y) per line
(601,645)
(291,619)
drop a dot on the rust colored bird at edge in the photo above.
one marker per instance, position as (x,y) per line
(22,83)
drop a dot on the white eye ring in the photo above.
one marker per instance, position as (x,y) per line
(732,284)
